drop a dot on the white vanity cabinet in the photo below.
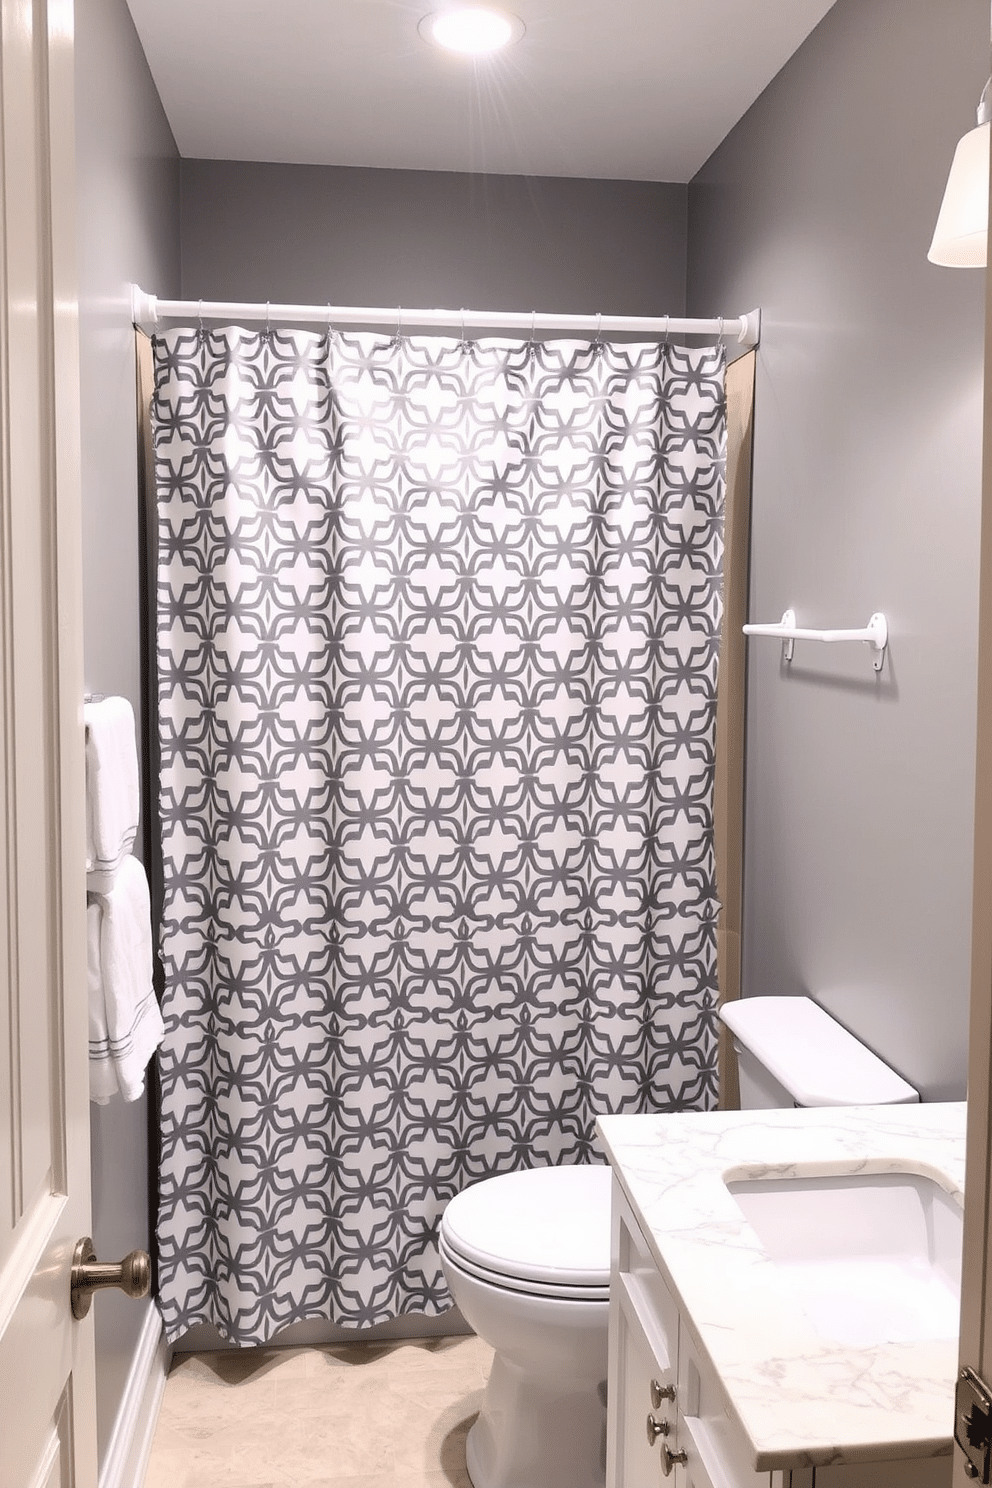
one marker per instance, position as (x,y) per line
(669,1421)
(663,1403)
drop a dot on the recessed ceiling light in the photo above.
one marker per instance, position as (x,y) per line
(474,29)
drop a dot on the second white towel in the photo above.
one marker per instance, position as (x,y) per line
(125,1021)
(112,794)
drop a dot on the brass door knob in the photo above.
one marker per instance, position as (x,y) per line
(132,1275)
(671,1459)
(656,1429)
(660,1392)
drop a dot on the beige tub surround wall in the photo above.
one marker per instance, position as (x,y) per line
(728,788)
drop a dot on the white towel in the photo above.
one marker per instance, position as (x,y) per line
(111,789)
(125,1022)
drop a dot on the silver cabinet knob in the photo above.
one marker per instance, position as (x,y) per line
(671,1459)
(660,1392)
(132,1275)
(656,1429)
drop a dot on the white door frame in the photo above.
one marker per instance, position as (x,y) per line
(975,1348)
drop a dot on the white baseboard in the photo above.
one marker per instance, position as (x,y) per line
(130,1443)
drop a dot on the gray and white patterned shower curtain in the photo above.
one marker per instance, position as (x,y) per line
(437,650)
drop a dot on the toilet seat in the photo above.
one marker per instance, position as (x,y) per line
(530,1287)
(543,1231)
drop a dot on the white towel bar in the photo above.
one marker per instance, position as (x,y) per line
(875,634)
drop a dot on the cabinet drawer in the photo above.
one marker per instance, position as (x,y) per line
(641,1287)
(640,1378)
(718,1454)
(706,1466)
(643,1359)
(652,1355)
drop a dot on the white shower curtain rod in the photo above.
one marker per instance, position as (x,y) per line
(148,310)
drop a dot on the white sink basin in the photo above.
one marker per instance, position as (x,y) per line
(871,1258)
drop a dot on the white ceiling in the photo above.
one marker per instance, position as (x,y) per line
(628,89)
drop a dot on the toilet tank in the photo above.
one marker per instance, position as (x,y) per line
(792,1053)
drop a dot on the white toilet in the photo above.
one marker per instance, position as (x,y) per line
(527,1257)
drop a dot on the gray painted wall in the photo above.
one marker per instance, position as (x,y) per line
(819,207)
(128,213)
(309,234)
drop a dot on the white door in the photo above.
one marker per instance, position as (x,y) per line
(47,1403)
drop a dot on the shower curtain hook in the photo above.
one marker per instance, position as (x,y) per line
(598,342)
(533,329)
(720,331)
(268,328)
(399,324)
(464,341)
(199,319)
(664,334)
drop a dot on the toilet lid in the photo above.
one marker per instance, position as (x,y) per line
(543,1225)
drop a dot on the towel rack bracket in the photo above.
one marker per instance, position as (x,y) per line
(879,639)
(875,634)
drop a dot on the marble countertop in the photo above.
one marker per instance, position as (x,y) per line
(800,1400)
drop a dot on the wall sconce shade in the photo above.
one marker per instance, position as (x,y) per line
(960,238)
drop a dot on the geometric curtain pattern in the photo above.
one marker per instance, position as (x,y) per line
(437,656)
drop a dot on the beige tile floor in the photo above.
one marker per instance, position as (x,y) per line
(388,1415)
